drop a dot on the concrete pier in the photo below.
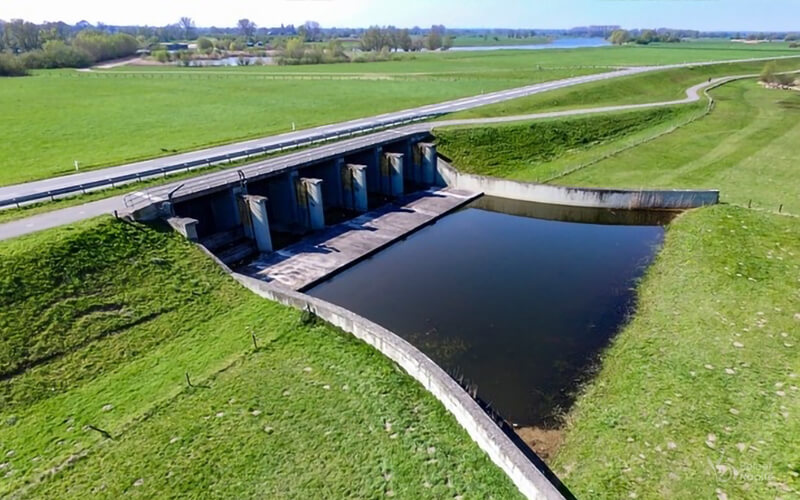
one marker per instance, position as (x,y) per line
(259,222)
(300,266)
(311,203)
(184,226)
(354,187)
(392,174)
(427,160)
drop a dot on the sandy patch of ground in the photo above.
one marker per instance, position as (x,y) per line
(545,442)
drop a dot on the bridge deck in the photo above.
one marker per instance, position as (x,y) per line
(317,257)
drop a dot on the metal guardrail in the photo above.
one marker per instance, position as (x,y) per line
(158,193)
(213,160)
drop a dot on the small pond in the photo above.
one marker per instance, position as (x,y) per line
(517,298)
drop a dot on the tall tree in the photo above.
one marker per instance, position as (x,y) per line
(404,40)
(22,35)
(620,37)
(312,31)
(246,27)
(187,25)
(435,38)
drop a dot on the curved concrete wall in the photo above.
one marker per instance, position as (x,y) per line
(574,196)
(501,450)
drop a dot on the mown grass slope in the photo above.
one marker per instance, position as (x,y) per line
(698,396)
(538,150)
(101,323)
(659,86)
(747,147)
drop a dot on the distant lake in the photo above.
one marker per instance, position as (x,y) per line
(558,43)
(230,61)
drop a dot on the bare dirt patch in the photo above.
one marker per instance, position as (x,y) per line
(545,442)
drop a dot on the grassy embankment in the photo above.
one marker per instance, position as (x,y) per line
(698,396)
(539,150)
(748,148)
(745,148)
(659,86)
(130,113)
(101,322)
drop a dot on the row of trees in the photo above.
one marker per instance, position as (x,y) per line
(645,37)
(377,38)
(28,46)
(297,51)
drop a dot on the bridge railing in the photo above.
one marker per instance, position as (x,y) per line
(144,198)
(133,199)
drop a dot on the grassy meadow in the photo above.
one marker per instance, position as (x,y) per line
(746,147)
(101,324)
(538,150)
(662,86)
(57,117)
(698,396)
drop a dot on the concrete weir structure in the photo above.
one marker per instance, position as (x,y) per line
(271,204)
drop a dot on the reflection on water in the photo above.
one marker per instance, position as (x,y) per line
(517,297)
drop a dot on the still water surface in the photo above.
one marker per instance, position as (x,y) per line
(558,43)
(519,298)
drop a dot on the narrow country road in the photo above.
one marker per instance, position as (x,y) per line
(74,214)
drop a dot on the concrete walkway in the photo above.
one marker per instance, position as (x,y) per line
(303,264)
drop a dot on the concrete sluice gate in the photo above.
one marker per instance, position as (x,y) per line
(378,194)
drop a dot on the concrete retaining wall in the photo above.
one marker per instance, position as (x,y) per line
(578,197)
(530,481)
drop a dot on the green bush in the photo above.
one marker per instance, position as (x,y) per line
(11,66)
(56,54)
(102,46)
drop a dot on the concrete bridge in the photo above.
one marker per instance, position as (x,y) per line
(273,203)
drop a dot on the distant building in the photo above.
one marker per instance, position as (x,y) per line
(176,46)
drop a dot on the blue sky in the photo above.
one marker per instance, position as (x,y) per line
(773,15)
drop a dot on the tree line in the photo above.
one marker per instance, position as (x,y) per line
(25,45)
(647,36)
(377,38)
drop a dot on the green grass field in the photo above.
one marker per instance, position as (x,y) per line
(52,119)
(55,118)
(746,147)
(698,396)
(497,41)
(650,87)
(101,322)
(539,150)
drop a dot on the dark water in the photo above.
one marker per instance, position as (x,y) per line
(518,305)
